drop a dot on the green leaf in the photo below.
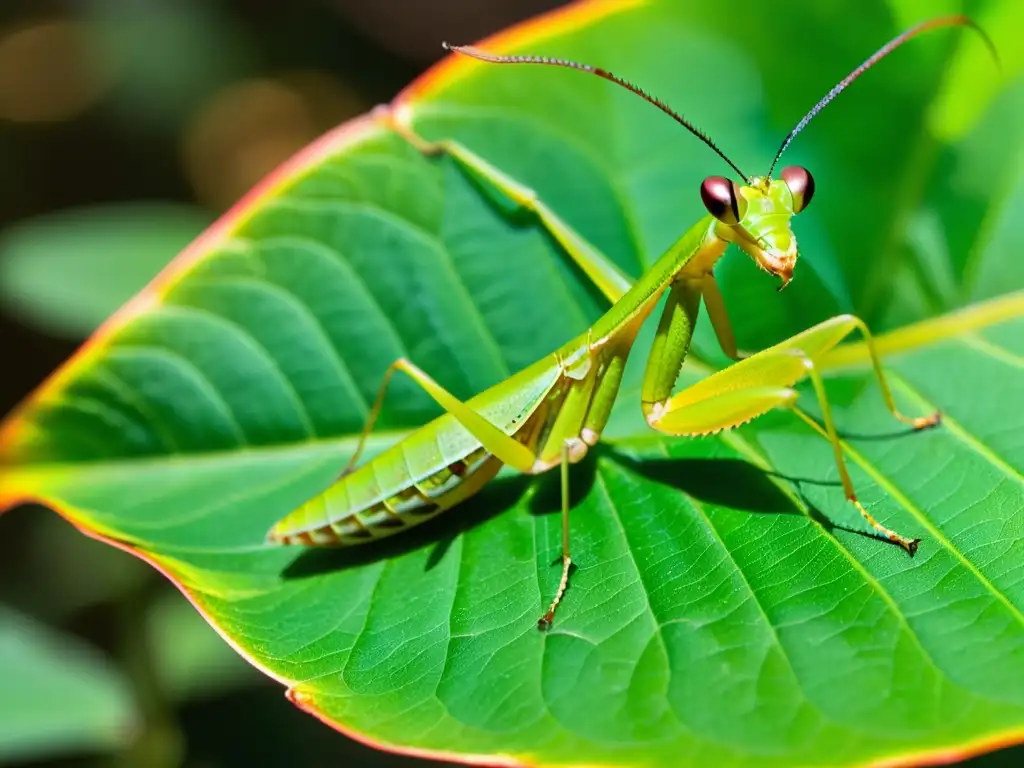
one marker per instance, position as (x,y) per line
(58,697)
(727,608)
(67,272)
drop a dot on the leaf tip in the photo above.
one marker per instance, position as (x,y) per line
(300,698)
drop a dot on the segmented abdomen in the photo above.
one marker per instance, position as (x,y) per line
(335,518)
(431,470)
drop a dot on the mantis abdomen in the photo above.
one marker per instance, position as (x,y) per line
(433,469)
(340,518)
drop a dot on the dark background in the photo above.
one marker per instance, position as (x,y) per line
(187,102)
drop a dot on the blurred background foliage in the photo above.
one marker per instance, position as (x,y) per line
(125,129)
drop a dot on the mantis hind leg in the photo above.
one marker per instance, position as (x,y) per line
(601,271)
(506,449)
(546,620)
(371,419)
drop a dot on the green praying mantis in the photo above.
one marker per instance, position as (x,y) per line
(550,413)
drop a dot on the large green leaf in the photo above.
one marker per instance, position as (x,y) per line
(726,608)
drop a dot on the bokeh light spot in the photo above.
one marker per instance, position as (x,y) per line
(48,73)
(246,130)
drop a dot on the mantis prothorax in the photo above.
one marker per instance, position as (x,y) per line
(552,412)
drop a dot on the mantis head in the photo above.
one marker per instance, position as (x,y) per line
(756,214)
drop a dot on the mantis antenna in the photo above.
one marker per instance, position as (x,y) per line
(877,56)
(476,53)
(881,53)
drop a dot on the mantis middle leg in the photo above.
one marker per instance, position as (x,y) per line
(757,384)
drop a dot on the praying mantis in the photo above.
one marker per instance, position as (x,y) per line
(550,413)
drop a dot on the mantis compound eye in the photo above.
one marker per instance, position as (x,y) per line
(801,185)
(723,200)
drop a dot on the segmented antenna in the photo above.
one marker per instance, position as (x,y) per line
(881,53)
(476,53)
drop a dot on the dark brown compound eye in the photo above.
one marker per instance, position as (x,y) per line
(800,183)
(722,199)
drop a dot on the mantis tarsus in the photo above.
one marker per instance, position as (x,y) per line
(550,413)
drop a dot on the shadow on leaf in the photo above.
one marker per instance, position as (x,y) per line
(900,432)
(741,485)
(725,482)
